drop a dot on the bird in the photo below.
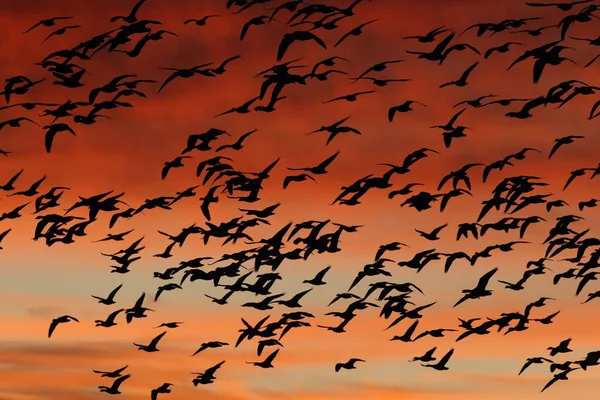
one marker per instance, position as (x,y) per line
(132,17)
(297,36)
(534,360)
(462,81)
(354,32)
(238,144)
(110,299)
(402,108)
(52,131)
(162,389)
(562,141)
(260,20)
(504,48)
(202,21)
(349,97)
(60,320)
(563,347)
(16,122)
(441,364)
(114,388)
(111,374)
(350,364)
(177,162)
(321,168)
(47,23)
(3,235)
(185,73)
(296,178)
(429,36)
(210,345)
(480,290)
(267,362)
(61,31)
(151,347)
(561,376)
(561,6)
(207,200)
(433,235)
(318,279)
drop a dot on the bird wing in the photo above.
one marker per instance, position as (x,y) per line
(245,135)
(158,292)
(444,180)
(422,334)
(571,179)
(168,80)
(114,314)
(328,161)
(140,301)
(299,296)
(358,278)
(271,357)
(155,341)
(555,148)
(317,39)
(538,69)
(49,138)
(462,300)
(33,27)
(213,369)
(200,349)
(468,71)
(135,8)
(245,28)
(455,117)
(443,44)
(165,170)
(411,330)
(53,326)
(286,41)
(322,273)
(446,357)
(550,383)
(490,52)
(342,39)
(205,209)
(447,135)
(380,251)
(391,113)
(118,371)
(289,179)
(438,229)
(483,281)
(525,366)
(593,110)
(117,382)
(565,343)
(259,349)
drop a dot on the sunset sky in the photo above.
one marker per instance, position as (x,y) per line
(126,153)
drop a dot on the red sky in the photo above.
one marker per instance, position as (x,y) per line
(126,153)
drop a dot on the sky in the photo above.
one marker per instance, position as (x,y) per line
(126,152)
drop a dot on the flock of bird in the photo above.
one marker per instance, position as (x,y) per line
(219,179)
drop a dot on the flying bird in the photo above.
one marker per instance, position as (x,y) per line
(60,320)
(298,36)
(47,23)
(350,364)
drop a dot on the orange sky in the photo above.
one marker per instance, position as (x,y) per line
(126,153)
